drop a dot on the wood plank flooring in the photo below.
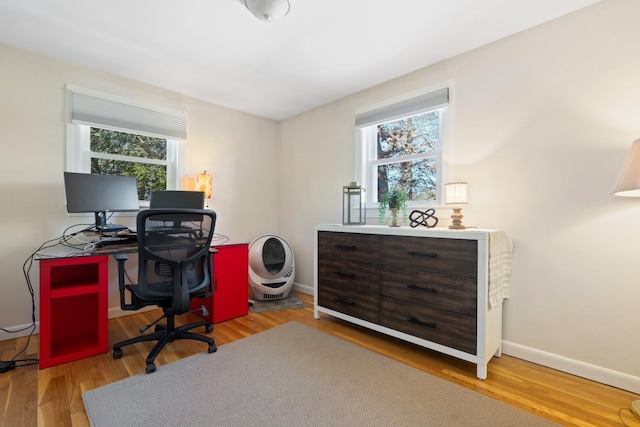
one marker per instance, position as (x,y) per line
(52,397)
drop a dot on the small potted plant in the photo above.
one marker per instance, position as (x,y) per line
(394,200)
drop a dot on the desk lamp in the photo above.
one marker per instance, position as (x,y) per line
(456,194)
(628,185)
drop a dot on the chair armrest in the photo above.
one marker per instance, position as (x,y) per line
(121,258)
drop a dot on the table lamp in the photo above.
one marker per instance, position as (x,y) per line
(456,194)
(204,183)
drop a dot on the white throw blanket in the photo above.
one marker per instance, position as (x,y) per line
(500,252)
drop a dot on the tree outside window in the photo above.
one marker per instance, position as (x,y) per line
(120,153)
(406,156)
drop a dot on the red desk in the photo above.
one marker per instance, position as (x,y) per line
(74,300)
(230,284)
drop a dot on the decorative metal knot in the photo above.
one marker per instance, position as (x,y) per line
(426,218)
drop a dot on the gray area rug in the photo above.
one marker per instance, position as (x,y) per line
(293,375)
(290,301)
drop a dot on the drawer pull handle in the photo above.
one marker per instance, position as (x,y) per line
(344,301)
(419,288)
(341,246)
(418,322)
(340,273)
(422,254)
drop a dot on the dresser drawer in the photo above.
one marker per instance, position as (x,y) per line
(351,302)
(349,287)
(451,293)
(351,246)
(450,256)
(440,326)
(349,275)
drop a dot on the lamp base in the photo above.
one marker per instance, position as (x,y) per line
(456,220)
(635,408)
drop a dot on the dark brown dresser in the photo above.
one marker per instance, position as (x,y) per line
(426,286)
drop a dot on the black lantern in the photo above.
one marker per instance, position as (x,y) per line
(353,205)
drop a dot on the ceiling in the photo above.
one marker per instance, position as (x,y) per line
(217,51)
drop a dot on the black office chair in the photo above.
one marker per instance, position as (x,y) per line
(175,265)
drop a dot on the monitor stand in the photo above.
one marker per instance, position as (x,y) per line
(103,227)
(111,228)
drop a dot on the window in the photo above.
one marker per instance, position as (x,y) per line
(400,146)
(115,137)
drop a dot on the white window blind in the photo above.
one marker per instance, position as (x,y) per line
(408,107)
(91,110)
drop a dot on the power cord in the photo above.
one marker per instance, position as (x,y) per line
(64,240)
(219,239)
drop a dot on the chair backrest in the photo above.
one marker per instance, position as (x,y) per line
(173,254)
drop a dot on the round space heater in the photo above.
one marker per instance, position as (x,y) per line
(271,268)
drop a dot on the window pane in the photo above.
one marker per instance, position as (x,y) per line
(417,178)
(128,144)
(416,134)
(149,177)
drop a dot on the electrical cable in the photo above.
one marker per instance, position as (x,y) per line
(220,239)
(63,240)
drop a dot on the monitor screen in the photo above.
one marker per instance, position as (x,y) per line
(174,199)
(101,194)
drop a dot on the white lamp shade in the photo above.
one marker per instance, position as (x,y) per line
(268,10)
(628,183)
(456,193)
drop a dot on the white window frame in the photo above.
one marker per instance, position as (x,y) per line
(366,162)
(78,141)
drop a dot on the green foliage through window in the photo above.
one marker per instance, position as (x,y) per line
(108,147)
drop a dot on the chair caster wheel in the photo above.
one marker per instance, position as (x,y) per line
(151,368)
(208,328)
(212,348)
(117,354)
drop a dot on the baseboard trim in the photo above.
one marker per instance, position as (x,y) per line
(21,331)
(572,366)
(303,288)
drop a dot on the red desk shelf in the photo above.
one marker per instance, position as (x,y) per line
(73,308)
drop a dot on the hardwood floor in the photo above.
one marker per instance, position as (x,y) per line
(52,397)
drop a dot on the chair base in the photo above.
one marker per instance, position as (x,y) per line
(170,334)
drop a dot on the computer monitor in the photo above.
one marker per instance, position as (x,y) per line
(177,199)
(101,194)
(168,199)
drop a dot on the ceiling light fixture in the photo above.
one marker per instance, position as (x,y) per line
(268,10)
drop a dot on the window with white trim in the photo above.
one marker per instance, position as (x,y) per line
(117,137)
(400,146)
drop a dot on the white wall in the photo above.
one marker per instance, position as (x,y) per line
(542,123)
(238,149)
